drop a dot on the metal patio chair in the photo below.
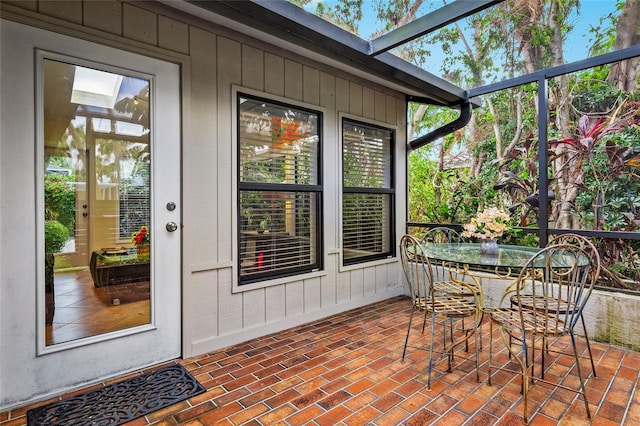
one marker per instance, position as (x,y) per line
(551,292)
(451,284)
(528,301)
(437,306)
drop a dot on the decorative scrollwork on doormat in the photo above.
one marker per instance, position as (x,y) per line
(120,402)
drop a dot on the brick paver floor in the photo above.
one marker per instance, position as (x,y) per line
(347,370)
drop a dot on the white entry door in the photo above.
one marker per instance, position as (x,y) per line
(93,134)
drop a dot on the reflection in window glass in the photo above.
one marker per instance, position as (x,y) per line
(279,190)
(368,192)
(97,164)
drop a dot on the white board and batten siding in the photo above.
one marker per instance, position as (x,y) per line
(216,62)
(244,66)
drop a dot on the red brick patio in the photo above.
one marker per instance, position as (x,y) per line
(347,370)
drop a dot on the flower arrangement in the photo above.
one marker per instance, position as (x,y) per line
(489,224)
(142,236)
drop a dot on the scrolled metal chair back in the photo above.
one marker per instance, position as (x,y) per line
(441,234)
(560,279)
(417,269)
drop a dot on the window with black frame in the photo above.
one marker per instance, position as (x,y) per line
(279,189)
(368,192)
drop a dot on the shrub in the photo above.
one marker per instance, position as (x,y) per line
(60,200)
(55,236)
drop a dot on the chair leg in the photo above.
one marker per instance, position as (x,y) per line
(466,342)
(543,349)
(449,350)
(490,351)
(476,337)
(586,337)
(433,328)
(525,391)
(524,369)
(582,385)
(406,340)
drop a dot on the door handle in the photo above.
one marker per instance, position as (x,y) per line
(172,226)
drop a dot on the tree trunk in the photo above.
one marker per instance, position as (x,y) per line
(624,74)
(560,103)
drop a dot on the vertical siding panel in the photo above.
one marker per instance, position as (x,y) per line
(401,114)
(140,24)
(343,287)
(229,305)
(292,80)
(199,232)
(328,282)
(327,91)
(357,284)
(342,95)
(382,284)
(368,103)
(393,104)
(312,295)
(369,281)
(393,275)
(381,107)
(355,99)
(294,295)
(311,85)
(252,68)
(173,35)
(253,308)
(274,74)
(68,10)
(103,15)
(275,303)
(200,153)
(201,319)
(229,72)
(331,158)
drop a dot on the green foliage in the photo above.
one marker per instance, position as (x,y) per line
(436,196)
(55,236)
(592,94)
(60,200)
(603,33)
(345,14)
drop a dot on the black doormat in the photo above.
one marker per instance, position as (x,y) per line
(120,402)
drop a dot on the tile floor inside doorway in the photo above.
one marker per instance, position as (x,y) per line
(346,370)
(84,310)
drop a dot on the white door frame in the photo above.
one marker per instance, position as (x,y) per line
(28,369)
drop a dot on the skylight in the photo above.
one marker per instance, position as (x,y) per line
(95,88)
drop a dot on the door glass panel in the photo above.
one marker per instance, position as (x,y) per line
(97,196)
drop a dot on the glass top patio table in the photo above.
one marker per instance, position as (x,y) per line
(508,257)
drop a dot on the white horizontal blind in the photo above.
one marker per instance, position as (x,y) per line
(285,240)
(279,189)
(365,223)
(367,158)
(367,192)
